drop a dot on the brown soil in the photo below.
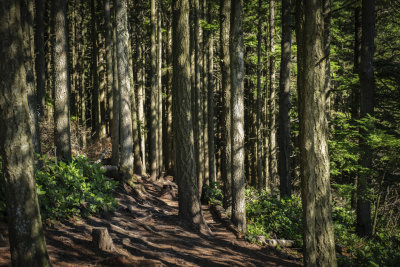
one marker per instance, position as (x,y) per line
(147,231)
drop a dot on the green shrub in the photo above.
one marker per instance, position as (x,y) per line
(273,218)
(213,193)
(72,189)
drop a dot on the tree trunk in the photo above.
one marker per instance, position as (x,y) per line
(95,77)
(168,103)
(153,96)
(109,55)
(141,97)
(27,15)
(62,135)
(40,62)
(364,226)
(225,18)
(160,163)
(204,95)
(210,100)
(197,116)
(319,246)
(272,98)
(189,203)
(116,98)
(284,102)
(260,178)
(237,117)
(27,242)
(124,90)
(137,162)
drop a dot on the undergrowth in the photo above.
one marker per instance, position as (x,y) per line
(75,189)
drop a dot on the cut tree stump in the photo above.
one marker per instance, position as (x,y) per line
(102,240)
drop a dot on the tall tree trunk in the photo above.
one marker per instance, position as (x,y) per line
(364,227)
(189,203)
(102,79)
(153,95)
(168,102)
(160,163)
(272,95)
(237,117)
(109,68)
(27,242)
(62,134)
(284,102)
(197,116)
(225,19)
(137,161)
(124,89)
(27,15)
(141,97)
(260,178)
(319,246)
(210,100)
(204,86)
(116,97)
(95,77)
(40,62)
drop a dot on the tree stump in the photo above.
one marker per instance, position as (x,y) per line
(102,240)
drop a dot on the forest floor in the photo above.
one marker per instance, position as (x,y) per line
(147,231)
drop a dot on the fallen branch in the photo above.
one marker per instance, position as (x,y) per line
(275,242)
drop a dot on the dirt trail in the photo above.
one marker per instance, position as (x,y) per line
(148,232)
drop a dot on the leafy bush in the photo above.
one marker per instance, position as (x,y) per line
(72,189)
(273,218)
(213,193)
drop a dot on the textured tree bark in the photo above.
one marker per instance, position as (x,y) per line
(364,227)
(27,243)
(95,78)
(109,68)
(284,103)
(137,162)
(272,95)
(204,96)
(101,71)
(124,90)
(40,63)
(197,116)
(319,246)
(168,102)
(153,96)
(160,157)
(189,203)
(116,98)
(141,97)
(27,16)
(260,178)
(225,18)
(210,100)
(237,117)
(62,135)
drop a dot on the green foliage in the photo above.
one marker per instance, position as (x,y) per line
(72,189)
(274,218)
(213,193)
